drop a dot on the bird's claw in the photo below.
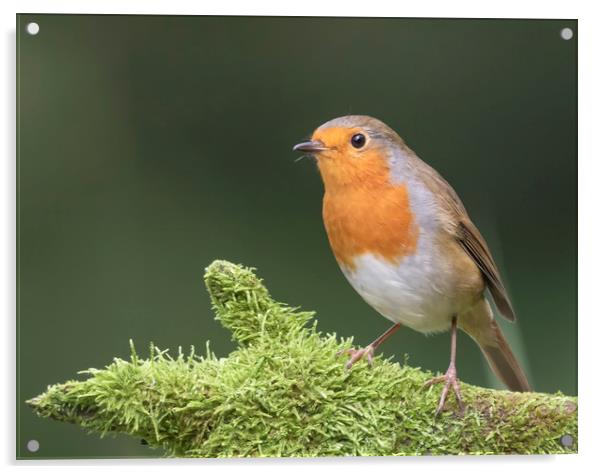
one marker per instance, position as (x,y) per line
(451,380)
(358,354)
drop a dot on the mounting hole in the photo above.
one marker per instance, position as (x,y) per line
(566,441)
(32,28)
(566,34)
(33,445)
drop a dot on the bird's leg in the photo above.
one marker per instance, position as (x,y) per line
(368,351)
(451,377)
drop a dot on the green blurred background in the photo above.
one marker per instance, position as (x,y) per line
(150,145)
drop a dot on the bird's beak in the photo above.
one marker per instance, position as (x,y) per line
(312,146)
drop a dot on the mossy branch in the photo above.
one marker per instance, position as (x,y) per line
(284,392)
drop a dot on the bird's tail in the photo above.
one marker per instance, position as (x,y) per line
(480,325)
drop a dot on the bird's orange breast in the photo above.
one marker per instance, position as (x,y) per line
(378,221)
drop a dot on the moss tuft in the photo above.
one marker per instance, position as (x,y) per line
(285,392)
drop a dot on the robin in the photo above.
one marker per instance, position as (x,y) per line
(406,244)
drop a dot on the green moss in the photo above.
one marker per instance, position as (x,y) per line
(285,392)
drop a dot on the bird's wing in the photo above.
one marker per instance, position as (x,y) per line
(468,236)
(474,244)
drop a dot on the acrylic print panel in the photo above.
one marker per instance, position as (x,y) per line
(155,156)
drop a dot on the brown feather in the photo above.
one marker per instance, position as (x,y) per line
(480,325)
(473,242)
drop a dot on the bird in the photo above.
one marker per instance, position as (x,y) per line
(405,242)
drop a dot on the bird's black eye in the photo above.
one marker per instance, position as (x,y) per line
(358,140)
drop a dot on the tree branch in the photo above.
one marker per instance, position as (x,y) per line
(284,392)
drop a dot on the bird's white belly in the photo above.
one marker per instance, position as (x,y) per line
(414,292)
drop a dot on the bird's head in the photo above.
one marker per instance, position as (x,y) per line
(354,150)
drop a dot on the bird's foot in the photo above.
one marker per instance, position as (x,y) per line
(451,380)
(358,354)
